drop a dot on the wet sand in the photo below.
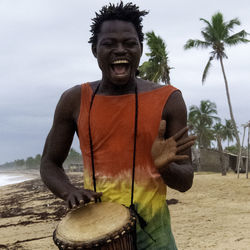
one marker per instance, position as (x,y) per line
(214,214)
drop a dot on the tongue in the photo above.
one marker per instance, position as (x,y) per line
(119,69)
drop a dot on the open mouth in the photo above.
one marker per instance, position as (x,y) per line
(120,67)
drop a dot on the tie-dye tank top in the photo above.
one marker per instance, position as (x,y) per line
(112,129)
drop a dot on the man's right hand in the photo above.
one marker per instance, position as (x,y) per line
(81,196)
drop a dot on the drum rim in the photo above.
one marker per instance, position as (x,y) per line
(129,227)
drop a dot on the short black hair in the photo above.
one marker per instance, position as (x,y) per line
(128,12)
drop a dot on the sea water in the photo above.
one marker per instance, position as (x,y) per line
(6,179)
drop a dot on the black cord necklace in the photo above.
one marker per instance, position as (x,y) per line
(134,149)
(142,222)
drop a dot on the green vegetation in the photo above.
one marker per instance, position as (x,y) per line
(156,69)
(216,36)
(201,119)
(73,157)
(34,162)
(203,122)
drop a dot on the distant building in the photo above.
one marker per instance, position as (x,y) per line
(75,167)
(209,160)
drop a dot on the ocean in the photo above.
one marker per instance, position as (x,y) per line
(11,178)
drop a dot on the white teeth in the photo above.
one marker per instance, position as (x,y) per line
(120,61)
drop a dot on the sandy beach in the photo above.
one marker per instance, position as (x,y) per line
(214,214)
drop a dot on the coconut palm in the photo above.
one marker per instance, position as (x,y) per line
(229,131)
(156,69)
(217,35)
(220,135)
(201,119)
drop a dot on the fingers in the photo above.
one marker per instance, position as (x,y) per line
(187,139)
(91,195)
(162,129)
(74,200)
(180,133)
(185,146)
(181,157)
(80,197)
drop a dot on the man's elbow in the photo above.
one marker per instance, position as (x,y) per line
(187,183)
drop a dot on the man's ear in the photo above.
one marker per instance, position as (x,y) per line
(94,50)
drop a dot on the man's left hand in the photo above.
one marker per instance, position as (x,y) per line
(164,151)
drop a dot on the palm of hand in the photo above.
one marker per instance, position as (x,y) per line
(164,151)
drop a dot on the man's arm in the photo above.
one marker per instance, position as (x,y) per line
(56,149)
(171,150)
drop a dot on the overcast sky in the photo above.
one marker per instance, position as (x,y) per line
(44,50)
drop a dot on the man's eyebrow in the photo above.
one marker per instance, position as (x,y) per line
(107,39)
(131,39)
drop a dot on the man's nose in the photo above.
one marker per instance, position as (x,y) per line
(120,49)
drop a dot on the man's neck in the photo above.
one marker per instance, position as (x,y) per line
(107,88)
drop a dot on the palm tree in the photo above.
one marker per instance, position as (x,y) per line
(156,68)
(220,135)
(229,131)
(217,35)
(201,119)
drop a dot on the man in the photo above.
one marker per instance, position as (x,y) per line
(127,155)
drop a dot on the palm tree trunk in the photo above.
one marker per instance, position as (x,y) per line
(230,107)
(222,160)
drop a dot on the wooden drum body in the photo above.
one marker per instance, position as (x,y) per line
(102,225)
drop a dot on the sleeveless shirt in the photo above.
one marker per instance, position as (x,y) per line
(112,129)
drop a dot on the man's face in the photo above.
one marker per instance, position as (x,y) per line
(118,51)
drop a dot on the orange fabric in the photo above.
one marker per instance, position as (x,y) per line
(112,128)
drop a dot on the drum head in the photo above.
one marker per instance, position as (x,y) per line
(92,222)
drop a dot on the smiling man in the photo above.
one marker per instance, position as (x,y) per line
(132,132)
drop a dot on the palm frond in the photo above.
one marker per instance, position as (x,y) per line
(205,72)
(196,44)
(237,38)
(232,23)
(156,68)
(201,119)
(206,21)
(207,36)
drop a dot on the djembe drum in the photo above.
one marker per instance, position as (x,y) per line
(103,225)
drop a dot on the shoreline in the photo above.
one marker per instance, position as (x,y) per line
(17,176)
(29,214)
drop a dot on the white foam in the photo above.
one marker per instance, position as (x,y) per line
(6,179)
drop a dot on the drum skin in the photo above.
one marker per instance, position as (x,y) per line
(103,225)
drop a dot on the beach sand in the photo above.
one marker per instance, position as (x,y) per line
(214,214)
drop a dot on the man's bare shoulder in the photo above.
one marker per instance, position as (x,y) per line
(175,107)
(94,84)
(69,103)
(72,92)
(145,85)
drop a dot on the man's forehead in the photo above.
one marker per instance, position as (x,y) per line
(115,26)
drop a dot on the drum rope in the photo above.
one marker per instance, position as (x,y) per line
(90,139)
(134,153)
(141,221)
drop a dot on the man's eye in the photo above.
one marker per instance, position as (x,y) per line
(131,43)
(107,44)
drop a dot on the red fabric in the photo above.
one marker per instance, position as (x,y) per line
(112,127)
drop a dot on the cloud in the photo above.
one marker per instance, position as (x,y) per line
(44,51)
